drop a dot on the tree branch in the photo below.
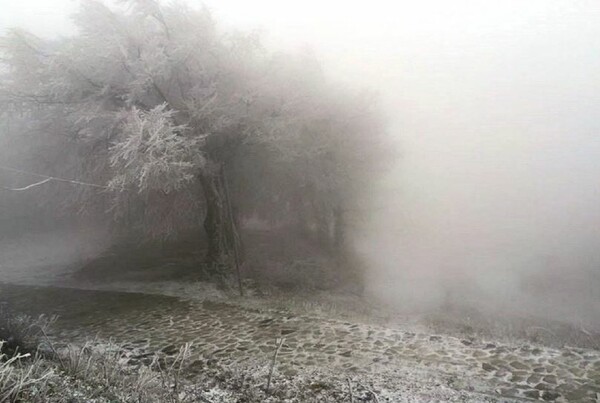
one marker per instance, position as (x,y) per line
(30,186)
(49,178)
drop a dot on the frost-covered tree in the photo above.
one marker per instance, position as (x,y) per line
(158,105)
(153,98)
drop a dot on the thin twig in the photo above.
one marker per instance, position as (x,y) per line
(234,233)
(273,363)
(350,389)
(584,331)
(51,345)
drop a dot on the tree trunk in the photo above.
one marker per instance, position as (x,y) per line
(219,226)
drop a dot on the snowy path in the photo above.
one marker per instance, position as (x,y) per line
(393,360)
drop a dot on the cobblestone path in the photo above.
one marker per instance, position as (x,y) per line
(234,336)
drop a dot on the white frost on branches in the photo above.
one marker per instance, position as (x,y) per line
(155,153)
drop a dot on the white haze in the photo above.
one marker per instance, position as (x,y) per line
(497,108)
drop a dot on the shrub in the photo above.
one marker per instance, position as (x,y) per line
(22,333)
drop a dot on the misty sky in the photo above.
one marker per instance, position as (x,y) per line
(496,103)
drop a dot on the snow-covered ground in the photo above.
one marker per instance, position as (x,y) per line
(333,343)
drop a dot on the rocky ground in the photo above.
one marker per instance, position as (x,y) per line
(318,355)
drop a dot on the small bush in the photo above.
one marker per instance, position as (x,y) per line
(22,333)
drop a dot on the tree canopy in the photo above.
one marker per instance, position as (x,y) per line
(164,109)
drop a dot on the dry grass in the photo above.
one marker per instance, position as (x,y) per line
(104,366)
(33,370)
(24,378)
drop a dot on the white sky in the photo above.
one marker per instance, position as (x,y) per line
(497,103)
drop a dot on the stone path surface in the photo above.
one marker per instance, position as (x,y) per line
(235,336)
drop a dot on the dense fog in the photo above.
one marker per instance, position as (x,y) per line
(494,198)
(496,192)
